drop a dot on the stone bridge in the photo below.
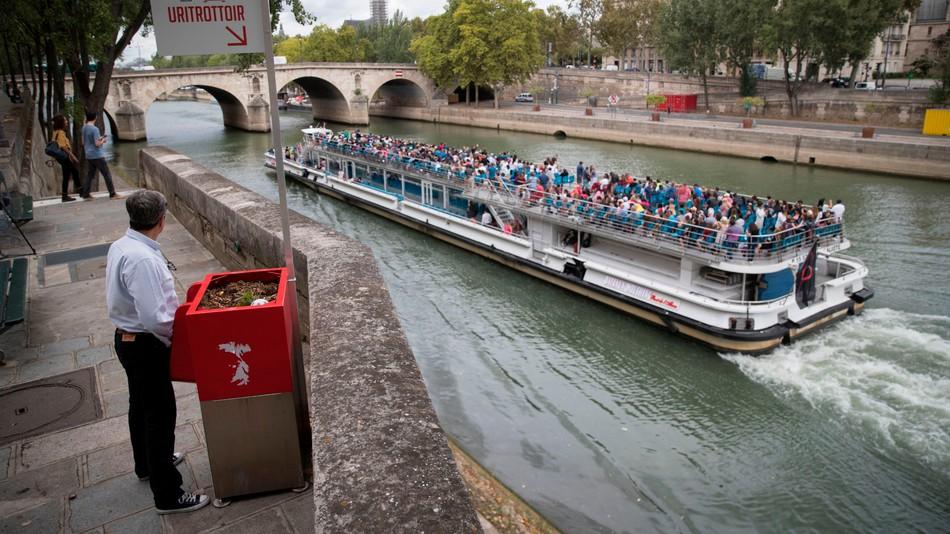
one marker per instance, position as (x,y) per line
(339,92)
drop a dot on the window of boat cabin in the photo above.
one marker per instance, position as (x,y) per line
(413,189)
(457,203)
(360,172)
(394,183)
(376,177)
(438,196)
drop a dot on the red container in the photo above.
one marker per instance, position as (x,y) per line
(678,103)
(234,352)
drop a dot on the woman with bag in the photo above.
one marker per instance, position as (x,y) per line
(68,163)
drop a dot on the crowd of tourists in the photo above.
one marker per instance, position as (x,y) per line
(704,217)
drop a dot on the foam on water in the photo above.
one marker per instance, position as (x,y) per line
(886,372)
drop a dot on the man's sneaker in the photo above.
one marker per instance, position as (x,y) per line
(188,502)
(68,198)
(177,458)
(116,196)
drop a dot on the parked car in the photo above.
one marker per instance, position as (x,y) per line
(524,97)
(866,86)
(569,67)
(611,67)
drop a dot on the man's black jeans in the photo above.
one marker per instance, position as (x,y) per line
(152,412)
(98,164)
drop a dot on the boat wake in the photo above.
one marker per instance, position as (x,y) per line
(886,372)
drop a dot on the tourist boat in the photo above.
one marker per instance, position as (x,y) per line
(732,298)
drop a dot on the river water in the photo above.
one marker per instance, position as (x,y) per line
(606,424)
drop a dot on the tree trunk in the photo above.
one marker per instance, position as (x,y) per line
(497,89)
(9,67)
(19,55)
(476,95)
(468,89)
(41,113)
(854,74)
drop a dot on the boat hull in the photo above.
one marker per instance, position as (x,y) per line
(723,340)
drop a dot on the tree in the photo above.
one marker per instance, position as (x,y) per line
(487,42)
(433,46)
(626,24)
(562,30)
(688,37)
(939,55)
(389,42)
(588,12)
(793,30)
(739,24)
(292,48)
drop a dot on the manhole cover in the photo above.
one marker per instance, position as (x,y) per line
(50,404)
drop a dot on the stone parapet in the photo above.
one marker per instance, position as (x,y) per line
(22,159)
(906,156)
(381,461)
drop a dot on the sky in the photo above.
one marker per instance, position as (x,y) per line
(331,13)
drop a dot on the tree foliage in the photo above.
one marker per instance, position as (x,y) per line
(562,30)
(480,42)
(588,13)
(690,37)
(626,24)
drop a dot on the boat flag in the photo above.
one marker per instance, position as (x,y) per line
(805,279)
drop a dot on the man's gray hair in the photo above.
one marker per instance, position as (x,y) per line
(145,209)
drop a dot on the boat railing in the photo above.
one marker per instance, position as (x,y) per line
(641,228)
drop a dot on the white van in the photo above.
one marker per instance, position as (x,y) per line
(866,86)
(524,97)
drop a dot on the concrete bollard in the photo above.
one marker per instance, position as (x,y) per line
(867,132)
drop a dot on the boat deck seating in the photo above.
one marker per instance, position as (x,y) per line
(13,278)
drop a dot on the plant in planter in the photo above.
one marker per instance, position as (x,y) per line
(589,95)
(655,101)
(750,103)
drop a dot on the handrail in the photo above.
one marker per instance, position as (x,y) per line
(587,216)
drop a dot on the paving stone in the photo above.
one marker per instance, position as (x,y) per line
(210,518)
(111,366)
(186,439)
(8,374)
(115,403)
(200,468)
(270,521)
(145,522)
(189,409)
(64,346)
(113,381)
(109,463)
(45,368)
(50,448)
(5,454)
(299,513)
(183,389)
(43,519)
(27,489)
(16,354)
(93,356)
(107,501)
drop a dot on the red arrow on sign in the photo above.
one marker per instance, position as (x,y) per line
(241,39)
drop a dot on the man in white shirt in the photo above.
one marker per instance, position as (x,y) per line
(141,299)
(838,210)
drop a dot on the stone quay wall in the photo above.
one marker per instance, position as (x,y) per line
(905,158)
(22,159)
(381,461)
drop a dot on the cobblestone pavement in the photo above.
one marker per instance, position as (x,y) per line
(80,479)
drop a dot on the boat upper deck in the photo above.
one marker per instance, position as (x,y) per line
(723,242)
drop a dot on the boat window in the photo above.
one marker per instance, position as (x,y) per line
(394,183)
(413,189)
(360,172)
(457,203)
(438,196)
(376,178)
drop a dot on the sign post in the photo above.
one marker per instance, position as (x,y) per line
(240,26)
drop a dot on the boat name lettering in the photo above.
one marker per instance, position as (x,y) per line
(631,289)
(669,303)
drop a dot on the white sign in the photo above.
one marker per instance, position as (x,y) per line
(614,100)
(195,27)
(398,74)
(242,371)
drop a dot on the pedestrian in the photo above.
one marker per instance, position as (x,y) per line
(141,300)
(69,164)
(92,141)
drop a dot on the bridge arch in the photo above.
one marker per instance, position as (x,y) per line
(327,101)
(397,92)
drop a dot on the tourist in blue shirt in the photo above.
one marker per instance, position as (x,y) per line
(92,142)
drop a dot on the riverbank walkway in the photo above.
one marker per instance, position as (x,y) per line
(765,125)
(65,457)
